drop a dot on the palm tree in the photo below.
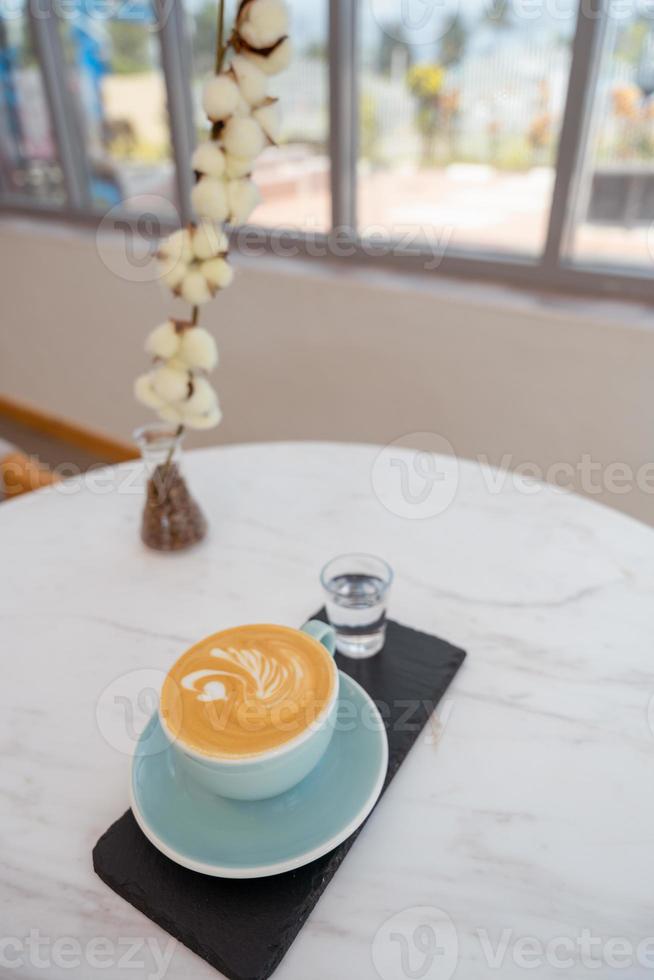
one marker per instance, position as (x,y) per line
(498,14)
(454,41)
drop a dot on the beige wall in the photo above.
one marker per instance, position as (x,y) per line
(315,353)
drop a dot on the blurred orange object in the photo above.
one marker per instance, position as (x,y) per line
(21,474)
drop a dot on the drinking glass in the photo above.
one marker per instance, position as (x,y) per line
(356,595)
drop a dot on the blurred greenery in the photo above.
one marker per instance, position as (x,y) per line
(129,48)
(391,40)
(630,46)
(425,83)
(369,129)
(28,51)
(454,41)
(204,39)
(498,14)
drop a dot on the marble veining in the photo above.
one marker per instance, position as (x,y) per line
(523,813)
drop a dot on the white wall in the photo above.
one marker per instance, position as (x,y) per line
(309,352)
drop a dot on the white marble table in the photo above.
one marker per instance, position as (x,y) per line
(524,833)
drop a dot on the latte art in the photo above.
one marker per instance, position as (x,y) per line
(247,690)
(261,676)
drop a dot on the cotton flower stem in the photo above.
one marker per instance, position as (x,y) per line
(160,478)
(169,458)
(195,313)
(221,48)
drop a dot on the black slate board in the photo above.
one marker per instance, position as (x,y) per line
(244,928)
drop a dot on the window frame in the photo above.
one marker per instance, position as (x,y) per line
(551,271)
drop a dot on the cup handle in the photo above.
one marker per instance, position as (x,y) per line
(323,633)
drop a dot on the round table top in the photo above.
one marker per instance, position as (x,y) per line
(524,829)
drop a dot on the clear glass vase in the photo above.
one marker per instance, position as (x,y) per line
(172,520)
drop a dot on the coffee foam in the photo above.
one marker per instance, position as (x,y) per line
(247,690)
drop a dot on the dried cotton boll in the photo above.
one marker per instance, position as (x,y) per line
(220,97)
(177,246)
(276,60)
(209,197)
(172,271)
(170,384)
(218,273)
(177,364)
(209,241)
(208,159)
(195,289)
(163,341)
(243,107)
(251,80)
(202,400)
(261,23)
(206,421)
(170,413)
(145,393)
(238,166)
(243,137)
(198,349)
(243,197)
(269,118)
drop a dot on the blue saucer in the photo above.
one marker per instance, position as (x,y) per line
(234,839)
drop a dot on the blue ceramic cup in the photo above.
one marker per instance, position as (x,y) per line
(275,770)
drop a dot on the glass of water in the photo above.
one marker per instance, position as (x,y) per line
(356,595)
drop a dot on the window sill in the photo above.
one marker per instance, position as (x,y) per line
(394,274)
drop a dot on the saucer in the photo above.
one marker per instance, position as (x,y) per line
(236,839)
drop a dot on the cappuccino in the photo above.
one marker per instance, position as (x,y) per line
(247,691)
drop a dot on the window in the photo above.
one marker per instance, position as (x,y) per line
(491,138)
(29,166)
(294,177)
(615,209)
(459,122)
(114,73)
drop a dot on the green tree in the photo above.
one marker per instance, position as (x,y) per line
(316,51)
(28,56)
(454,41)
(129,48)
(498,14)
(391,38)
(425,83)
(632,41)
(369,130)
(204,39)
